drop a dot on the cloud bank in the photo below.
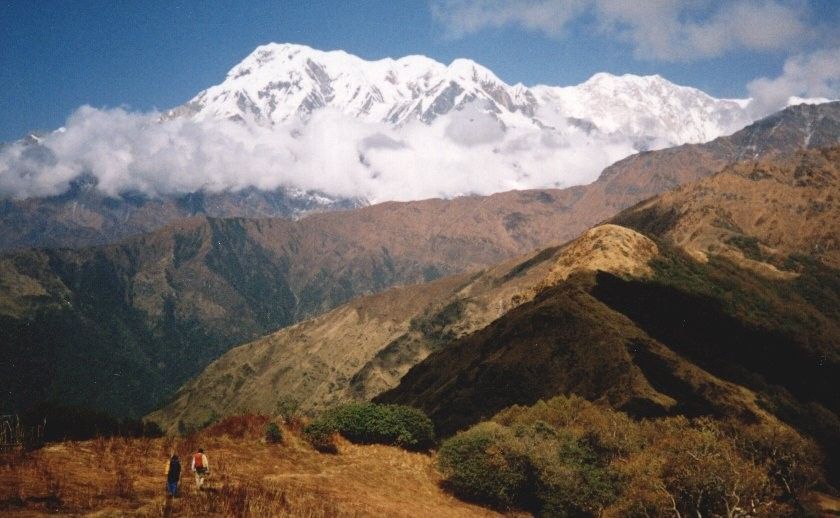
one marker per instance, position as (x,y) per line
(671,30)
(815,75)
(468,152)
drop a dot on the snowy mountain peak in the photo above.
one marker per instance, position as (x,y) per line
(282,82)
(468,70)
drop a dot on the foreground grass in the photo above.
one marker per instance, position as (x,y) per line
(114,477)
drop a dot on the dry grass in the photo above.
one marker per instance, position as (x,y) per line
(116,477)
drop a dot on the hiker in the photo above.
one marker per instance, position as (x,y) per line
(200,467)
(173,474)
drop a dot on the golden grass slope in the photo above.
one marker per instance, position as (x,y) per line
(124,477)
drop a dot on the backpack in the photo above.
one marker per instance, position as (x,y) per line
(198,461)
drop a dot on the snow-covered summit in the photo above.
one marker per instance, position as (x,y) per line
(279,82)
(647,107)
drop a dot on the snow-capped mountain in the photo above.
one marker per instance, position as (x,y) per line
(278,82)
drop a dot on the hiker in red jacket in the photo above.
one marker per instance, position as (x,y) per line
(200,467)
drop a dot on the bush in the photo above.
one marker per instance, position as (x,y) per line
(273,434)
(570,480)
(569,457)
(534,466)
(482,464)
(372,423)
(321,435)
(288,409)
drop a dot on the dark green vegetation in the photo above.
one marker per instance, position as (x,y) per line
(371,423)
(534,466)
(113,331)
(778,338)
(568,457)
(273,433)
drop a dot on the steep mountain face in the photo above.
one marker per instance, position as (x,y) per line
(169,302)
(354,351)
(360,349)
(279,82)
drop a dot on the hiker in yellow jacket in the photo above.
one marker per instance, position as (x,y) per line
(200,467)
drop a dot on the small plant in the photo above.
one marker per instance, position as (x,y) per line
(321,435)
(273,434)
(288,409)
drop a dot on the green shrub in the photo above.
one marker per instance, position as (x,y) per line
(288,409)
(371,423)
(531,466)
(321,435)
(569,477)
(273,434)
(482,464)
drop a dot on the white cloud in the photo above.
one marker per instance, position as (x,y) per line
(672,30)
(814,75)
(468,152)
(463,17)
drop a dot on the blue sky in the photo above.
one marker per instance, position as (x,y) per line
(56,56)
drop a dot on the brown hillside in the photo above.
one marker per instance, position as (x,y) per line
(365,347)
(646,174)
(757,212)
(709,334)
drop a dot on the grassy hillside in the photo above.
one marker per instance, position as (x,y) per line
(115,477)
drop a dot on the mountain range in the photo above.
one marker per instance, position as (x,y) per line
(174,300)
(623,289)
(278,83)
(287,100)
